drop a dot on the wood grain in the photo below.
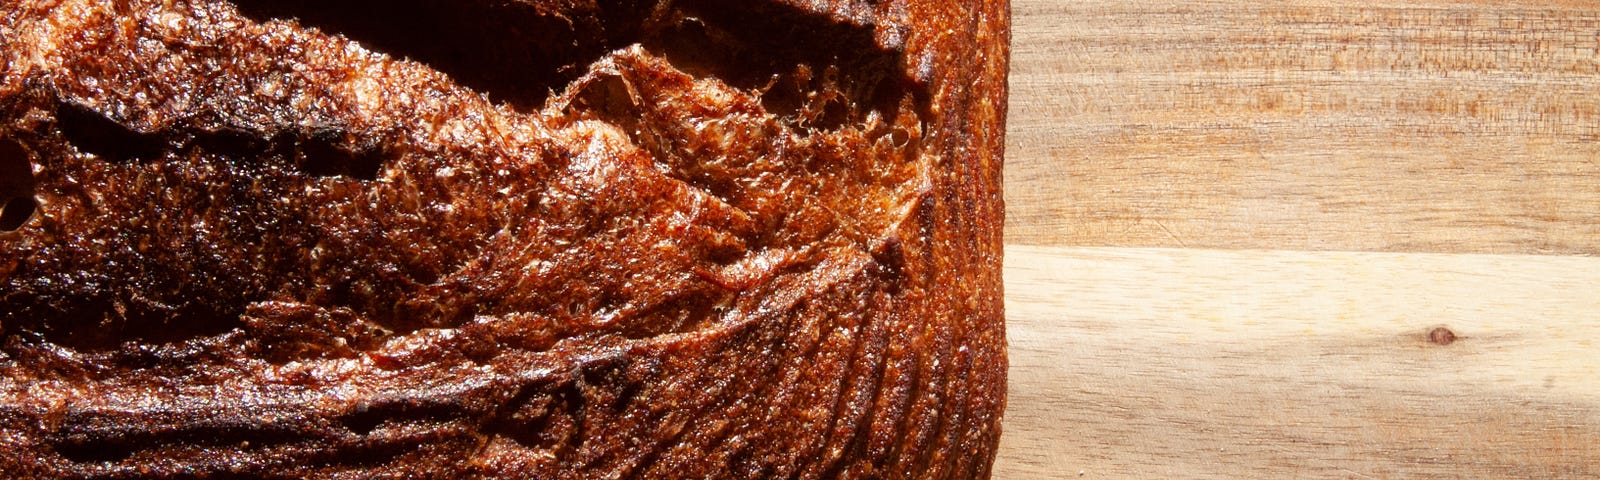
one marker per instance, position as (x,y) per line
(1422,126)
(1190,363)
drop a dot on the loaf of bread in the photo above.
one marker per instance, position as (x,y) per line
(501,238)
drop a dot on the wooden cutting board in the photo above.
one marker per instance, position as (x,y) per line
(1310,239)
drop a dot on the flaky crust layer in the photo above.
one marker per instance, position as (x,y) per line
(483,239)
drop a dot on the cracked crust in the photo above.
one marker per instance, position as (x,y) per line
(501,240)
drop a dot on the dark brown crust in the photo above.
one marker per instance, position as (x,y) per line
(696,239)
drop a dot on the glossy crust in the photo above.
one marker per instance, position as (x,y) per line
(489,239)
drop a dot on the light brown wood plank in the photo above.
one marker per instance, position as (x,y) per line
(1465,127)
(1189,363)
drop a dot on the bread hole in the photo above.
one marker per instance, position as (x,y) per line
(545,417)
(363,419)
(830,115)
(786,96)
(726,254)
(224,435)
(516,52)
(231,144)
(93,133)
(83,316)
(520,52)
(91,438)
(89,450)
(782,51)
(324,155)
(17,204)
(608,98)
(16,212)
(320,154)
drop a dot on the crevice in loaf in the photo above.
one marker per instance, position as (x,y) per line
(747,193)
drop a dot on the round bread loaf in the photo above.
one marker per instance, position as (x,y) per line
(501,239)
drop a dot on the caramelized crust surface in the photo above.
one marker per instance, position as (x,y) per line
(490,239)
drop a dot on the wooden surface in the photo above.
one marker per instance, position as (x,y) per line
(1184,363)
(1331,183)
(1423,126)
